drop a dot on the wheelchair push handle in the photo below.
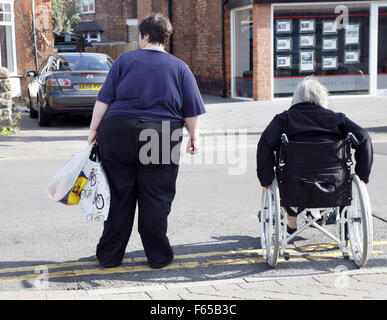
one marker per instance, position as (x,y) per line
(284,139)
(351,137)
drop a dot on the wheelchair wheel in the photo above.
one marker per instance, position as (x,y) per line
(359,221)
(270,224)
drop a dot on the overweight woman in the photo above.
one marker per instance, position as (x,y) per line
(147,98)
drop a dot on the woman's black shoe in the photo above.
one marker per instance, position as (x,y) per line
(159,266)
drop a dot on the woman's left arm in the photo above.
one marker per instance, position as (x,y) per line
(98,113)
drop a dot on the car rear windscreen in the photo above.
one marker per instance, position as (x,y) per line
(85,62)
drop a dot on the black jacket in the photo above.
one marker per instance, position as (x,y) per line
(311,122)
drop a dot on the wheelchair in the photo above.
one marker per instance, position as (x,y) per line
(315,177)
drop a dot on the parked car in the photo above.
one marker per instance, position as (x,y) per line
(67,83)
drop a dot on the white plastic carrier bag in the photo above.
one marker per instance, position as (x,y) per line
(66,185)
(95,195)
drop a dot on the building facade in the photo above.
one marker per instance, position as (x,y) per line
(108,21)
(17,52)
(261,49)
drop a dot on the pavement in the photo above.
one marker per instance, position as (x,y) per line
(223,115)
(362,284)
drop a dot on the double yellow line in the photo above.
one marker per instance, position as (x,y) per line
(252,256)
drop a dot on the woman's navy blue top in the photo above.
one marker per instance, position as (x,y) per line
(152,85)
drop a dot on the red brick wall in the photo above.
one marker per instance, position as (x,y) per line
(197,40)
(145,7)
(112,15)
(24,41)
(262,58)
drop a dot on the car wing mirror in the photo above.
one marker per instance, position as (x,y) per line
(31,74)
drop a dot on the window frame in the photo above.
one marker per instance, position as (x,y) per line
(88,6)
(12,24)
(88,39)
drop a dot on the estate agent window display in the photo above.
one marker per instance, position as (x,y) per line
(307,41)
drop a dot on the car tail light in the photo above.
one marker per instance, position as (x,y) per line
(52,83)
(65,83)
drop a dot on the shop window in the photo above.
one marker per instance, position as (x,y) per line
(314,40)
(243,53)
(6,37)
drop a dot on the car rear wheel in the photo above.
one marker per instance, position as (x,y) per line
(43,117)
(33,112)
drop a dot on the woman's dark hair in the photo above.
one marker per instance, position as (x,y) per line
(158,27)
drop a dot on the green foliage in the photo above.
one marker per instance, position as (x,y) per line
(65,14)
(13,128)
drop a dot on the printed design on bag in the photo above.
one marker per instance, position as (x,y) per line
(95,177)
(74,195)
(95,196)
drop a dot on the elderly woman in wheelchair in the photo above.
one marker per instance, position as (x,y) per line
(304,165)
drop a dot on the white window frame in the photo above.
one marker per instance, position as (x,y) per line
(129,23)
(373,39)
(233,48)
(89,39)
(12,24)
(88,5)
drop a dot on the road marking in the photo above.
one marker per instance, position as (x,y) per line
(307,248)
(186,265)
(189,264)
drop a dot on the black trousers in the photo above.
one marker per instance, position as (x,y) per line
(134,154)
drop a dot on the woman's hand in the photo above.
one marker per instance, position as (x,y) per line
(192,125)
(192,146)
(266,188)
(92,138)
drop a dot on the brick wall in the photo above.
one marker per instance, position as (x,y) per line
(145,7)
(197,40)
(112,15)
(262,57)
(24,40)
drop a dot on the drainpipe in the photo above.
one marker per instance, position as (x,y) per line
(170,13)
(34,35)
(224,95)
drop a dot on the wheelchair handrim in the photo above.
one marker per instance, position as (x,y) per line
(358,223)
(270,222)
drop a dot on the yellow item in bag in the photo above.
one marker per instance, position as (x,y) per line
(74,195)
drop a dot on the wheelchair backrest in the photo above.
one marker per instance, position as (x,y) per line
(314,154)
(314,174)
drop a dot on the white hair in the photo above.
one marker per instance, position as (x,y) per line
(311,90)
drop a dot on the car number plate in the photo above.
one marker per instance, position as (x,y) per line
(89,86)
